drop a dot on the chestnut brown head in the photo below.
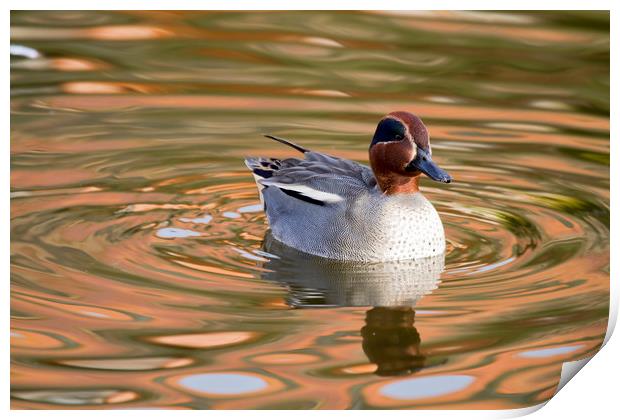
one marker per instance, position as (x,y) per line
(401,149)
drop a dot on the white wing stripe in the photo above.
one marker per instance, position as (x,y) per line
(308,192)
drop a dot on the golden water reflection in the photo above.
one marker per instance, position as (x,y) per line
(140,268)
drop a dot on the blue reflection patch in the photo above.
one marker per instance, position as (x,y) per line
(176,233)
(223,383)
(432,386)
(555,351)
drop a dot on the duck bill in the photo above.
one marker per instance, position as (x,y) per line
(425,164)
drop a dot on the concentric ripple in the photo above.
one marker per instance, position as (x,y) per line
(142,267)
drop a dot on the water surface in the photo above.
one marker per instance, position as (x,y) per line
(141,273)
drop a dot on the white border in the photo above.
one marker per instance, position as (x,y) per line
(593,394)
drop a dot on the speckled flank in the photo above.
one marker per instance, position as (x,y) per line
(373,227)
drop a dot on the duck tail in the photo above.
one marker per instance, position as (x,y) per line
(288,143)
(262,168)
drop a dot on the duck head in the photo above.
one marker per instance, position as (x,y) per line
(400,152)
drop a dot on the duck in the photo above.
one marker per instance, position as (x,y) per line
(343,210)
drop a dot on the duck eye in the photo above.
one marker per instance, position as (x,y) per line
(398,137)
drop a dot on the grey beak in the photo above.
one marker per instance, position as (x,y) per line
(425,164)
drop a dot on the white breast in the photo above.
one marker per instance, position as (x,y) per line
(412,228)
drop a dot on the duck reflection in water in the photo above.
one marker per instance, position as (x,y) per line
(392,289)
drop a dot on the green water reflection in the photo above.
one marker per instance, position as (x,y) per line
(141,268)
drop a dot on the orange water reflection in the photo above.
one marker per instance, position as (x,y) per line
(141,264)
(100,103)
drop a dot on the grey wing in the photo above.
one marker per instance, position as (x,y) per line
(321,179)
(307,201)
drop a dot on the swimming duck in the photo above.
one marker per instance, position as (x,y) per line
(339,209)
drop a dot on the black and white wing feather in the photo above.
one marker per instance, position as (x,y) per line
(317,179)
